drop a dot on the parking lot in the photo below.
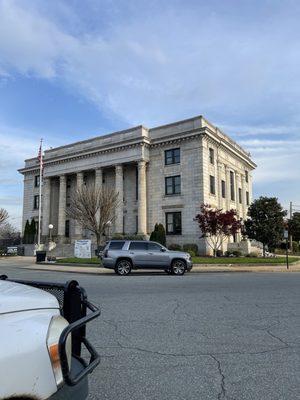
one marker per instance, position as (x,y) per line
(200,336)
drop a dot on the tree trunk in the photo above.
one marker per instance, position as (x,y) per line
(264,250)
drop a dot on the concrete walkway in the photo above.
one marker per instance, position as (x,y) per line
(29,263)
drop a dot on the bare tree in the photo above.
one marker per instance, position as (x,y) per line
(93,208)
(7,231)
(3,216)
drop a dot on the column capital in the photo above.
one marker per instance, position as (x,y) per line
(142,163)
(119,167)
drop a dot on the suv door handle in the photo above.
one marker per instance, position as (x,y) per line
(131,252)
(151,254)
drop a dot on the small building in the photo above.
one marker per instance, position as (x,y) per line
(162,175)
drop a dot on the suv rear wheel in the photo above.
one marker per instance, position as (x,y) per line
(123,267)
(178,267)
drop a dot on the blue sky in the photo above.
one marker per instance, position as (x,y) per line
(75,69)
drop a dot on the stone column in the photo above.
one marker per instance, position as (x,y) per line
(62,205)
(119,209)
(79,184)
(228,195)
(244,208)
(46,191)
(219,185)
(98,178)
(142,199)
(237,197)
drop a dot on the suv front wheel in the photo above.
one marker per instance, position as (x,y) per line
(123,267)
(178,267)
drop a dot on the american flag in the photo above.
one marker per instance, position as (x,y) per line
(40,156)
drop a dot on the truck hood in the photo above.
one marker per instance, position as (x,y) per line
(18,297)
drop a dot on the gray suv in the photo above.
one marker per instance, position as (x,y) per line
(125,255)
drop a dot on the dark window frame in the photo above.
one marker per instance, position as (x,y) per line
(37,181)
(36,202)
(211,155)
(138,243)
(174,187)
(247,176)
(223,189)
(212,185)
(175,230)
(240,196)
(247,198)
(120,243)
(232,186)
(67,228)
(172,156)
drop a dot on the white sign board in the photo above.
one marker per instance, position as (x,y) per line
(286,234)
(82,249)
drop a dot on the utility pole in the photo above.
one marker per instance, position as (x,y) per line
(291,216)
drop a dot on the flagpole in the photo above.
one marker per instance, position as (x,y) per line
(40,194)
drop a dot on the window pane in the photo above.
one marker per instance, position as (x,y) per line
(223,190)
(177,222)
(212,184)
(116,245)
(138,246)
(176,155)
(168,157)
(154,246)
(177,184)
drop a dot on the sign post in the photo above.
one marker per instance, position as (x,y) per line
(286,236)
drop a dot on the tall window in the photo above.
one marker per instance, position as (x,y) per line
(172,156)
(246,176)
(173,223)
(67,228)
(173,185)
(232,196)
(36,202)
(211,156)
(247,198)
(212,184)
(223,185)
(37,181)
(240,195)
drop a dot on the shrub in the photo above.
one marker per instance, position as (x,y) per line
(191,253)
(190,247)
(237,253)
(153,235)
(175,246)
(219,253)
(252,254)
(119,236)
(295,247)
(161,238)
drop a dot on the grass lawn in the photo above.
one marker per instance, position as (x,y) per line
(196,260)
(74,260)
(243,260)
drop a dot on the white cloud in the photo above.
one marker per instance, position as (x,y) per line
(169,64)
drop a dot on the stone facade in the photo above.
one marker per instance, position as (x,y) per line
(162,176)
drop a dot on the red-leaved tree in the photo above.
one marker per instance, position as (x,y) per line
(217,225)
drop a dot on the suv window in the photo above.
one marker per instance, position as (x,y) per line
(154,247)
(116,245)
(138,246)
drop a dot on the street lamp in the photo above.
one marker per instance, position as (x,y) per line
(50,226)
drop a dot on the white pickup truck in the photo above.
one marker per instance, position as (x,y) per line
(42,335)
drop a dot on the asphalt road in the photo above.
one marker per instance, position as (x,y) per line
(200,336)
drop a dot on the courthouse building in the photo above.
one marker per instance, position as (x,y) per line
(162,175)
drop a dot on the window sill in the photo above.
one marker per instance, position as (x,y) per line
(170,165)
(166,196)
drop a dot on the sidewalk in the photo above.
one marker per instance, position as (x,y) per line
(197,268)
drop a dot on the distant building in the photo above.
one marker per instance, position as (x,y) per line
(162,175)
